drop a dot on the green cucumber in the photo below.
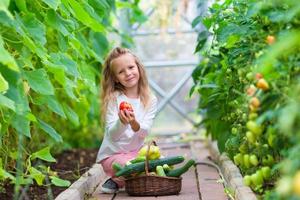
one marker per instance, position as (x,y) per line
(166,167)
(138,159)
(140,167)
(178,172)
(160,171)
(117,167)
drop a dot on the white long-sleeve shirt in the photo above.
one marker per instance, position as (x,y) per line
(121,138)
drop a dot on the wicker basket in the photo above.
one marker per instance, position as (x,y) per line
(152,185)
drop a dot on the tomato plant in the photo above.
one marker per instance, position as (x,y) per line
(250,64)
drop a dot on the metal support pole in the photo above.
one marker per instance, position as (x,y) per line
(177,87)
(172,103)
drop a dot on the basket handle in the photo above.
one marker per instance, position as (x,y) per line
(147,156)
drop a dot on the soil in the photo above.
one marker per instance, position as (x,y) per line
(70,165)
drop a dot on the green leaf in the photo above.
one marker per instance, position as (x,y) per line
(207,22)
(69,89)
(4,7)
(52,3)
(58,72)
(37,175)
(43,154)
(16,92)
(57,22)
(85,18)
(3,84)
(196,21)
(4,175)
(4,4)
(6,58)
(72,116)
(21,124)
(123,4)
(31,117)
(59,182)
(202,37)
(53,104)
(22,181)
(35,28)
(51,131)
(231,40)
(227,30)
(6,102)
(21,4)
(65,62)
(36,48)
(100,44)
(39,81)
(89,77)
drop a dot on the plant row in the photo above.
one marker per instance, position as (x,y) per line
(249,86)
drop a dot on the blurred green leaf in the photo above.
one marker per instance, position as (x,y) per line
(43,154)
(51,131)
(37,175)
(6,102)
(52,3)
(6,58)
(3,84)
(59,182)
(72,116)
(39,81)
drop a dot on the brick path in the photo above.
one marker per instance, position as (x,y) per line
(202,182)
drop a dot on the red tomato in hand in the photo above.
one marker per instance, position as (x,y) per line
(126,106)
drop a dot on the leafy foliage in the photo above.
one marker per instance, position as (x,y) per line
(246,79)
(51,53)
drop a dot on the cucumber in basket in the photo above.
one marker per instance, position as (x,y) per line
(140,167)
(178,172)
(116,167)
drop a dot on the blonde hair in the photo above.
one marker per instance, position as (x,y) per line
(110,86)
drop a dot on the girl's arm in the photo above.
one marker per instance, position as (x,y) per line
(114,127)
(147,121)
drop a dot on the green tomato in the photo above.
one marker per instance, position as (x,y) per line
(271,138)
(243,148)
(253,116)
(268,160)
(234,131)
(247,180)
(266,172)
(238,159)
(247,161)
(254,127)
(249,76)
(257,179)
(250,137)
(253,160)
(244,116)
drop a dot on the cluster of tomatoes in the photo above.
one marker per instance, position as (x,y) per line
(257,168)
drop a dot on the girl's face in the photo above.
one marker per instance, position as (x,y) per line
(125,70)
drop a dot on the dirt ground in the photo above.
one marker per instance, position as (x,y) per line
(71,164)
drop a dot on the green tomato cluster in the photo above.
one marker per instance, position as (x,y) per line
(257,179)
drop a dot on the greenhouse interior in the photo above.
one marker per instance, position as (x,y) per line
(149,99)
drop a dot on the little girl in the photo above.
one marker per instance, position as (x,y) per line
(124,80)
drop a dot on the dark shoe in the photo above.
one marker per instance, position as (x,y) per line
(109,187)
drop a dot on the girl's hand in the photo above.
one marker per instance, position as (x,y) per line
(128,117)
